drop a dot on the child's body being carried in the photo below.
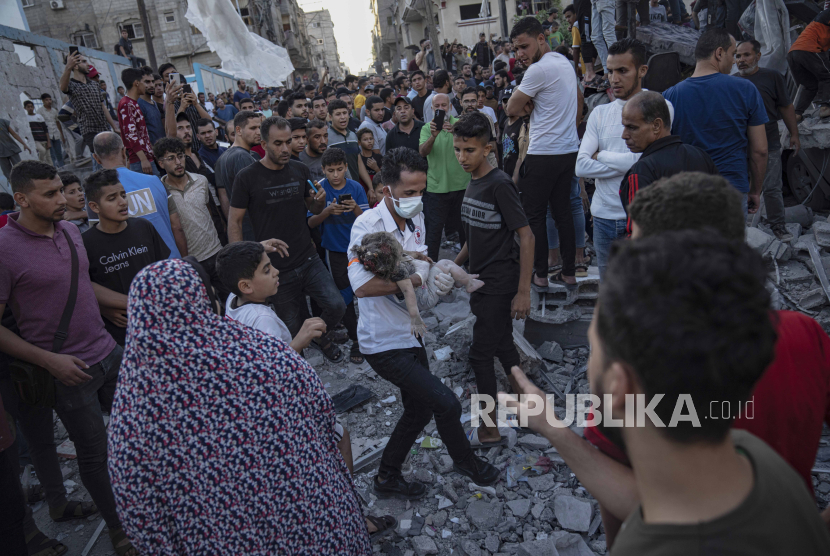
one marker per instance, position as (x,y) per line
(382,255)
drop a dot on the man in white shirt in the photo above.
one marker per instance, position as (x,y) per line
(550,95)
(374,117)
(386,340)
(50,116)
(603,154)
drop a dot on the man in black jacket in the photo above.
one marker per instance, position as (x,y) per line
(647,129)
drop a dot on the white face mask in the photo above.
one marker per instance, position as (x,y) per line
(407,207)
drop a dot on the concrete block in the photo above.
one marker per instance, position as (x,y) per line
(813,299)
(557,295)
(779,251)
(794,228)
(758,240)
(822,232)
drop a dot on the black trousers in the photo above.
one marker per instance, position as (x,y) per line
(339,264)
(424,396)
(442,209)
(13,508)
(492,337)
(811,70)
(546,180)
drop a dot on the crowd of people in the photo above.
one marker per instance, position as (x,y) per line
(177,286)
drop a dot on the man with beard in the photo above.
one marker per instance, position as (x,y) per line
(188,198)
(87,98)
(238,157)
(778,105)
(603,154)
(318,108)
(301,271)
(149,108)
(374,117)
(317,137)
(408,130)
(211,150)
(550,95)
(298,106)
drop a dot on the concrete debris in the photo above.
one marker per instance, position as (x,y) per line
(314,357)
(813,299)
(778,250)
(545,547)
(551,351)
(573,513)
(520,507)
(571,544)
(794,228)
(452,312)
(799,213)
(821,230)
(443,354)
(485,516)
(469,547)
(542,483)
(529,356)
(534,442)
(559,315)
(424,545)
(758,240)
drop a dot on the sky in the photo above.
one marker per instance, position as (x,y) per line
(353,21)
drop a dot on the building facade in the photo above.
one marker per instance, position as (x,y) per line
(323,44)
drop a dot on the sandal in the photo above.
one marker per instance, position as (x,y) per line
(581,271)
(558,279)
(38,544)
(354,354)
(74,509)
(34,494)
(339,335)
(552,269)
(117,536)
(329,349)
(508,438)
(384,526)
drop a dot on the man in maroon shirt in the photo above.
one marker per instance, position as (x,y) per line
(35,277)
(133,126)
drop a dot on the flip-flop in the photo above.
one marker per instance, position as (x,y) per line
(581,271)
(558,280)
(508,438)
(385,525)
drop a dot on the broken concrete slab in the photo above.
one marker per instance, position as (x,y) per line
(795,229)
(545,547)
(485,515)
(424,546)
(778,250)
(556,294)
(571,544)
(528,354)
(551,351)
(558,315)
(573,513)
(757,239)
(813,299)
(452,312)
(568,335)
(534,442)
(821,230)
(542,483)
(520,507)
(793,272)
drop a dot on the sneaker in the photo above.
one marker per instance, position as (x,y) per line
(396,487)
(481,472)
(780,231)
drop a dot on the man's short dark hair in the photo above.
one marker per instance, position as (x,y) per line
(502,74)
(297,123)
(282,108)
(417,72)
(635,47)
(689,201)
(97,181)
(241,118)
(307,88)
(164,67)
(333,156)
(147,70)
(399,81)
(652,105)
(440,78)
(469,91)
(422,41)
(337,104)
(349,79)
(326,91)
(26,172)
(402,159)
(157,77)
(7,201)
(362,81)
(294,97)
(182,117)
(238,261)
(363,131)
(569,8)
(167,145)
(68,177)
(372,101)
(27,102)
(529,26)
(499,65)
(315,124)
(472,124)
(201,122)
(44,96)
(712,39)
(316,98)
(273,121)
(688,313)
(247,101)
(385,93)
(756,46)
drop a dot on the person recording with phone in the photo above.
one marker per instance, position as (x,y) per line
(131,119)
(181,94)
(446,179)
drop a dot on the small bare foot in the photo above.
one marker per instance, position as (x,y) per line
(473,285)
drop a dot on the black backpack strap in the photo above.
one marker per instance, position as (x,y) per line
(63,327)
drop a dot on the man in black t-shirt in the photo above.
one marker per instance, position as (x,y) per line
(492,215)
(277,195)
(778,105)
(419,85)
(118,247)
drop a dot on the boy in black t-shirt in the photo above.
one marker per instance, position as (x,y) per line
(118,247)
(491,215)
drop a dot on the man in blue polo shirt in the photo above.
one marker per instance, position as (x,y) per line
(731,127)
(146,195)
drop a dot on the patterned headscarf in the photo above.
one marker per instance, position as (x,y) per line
(222,437)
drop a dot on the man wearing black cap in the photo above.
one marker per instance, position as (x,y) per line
(408,131)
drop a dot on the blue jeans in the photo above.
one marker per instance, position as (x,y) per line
(57,153)
(579,219)
(606,232)
(136,167)
(312,279)
(603,34)
(79,408)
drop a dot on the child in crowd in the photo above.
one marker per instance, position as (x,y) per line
(368,161)
(245,269)
(383,256)
(492,215)
(118,247)
(345,201)
(377,186)
(75,200)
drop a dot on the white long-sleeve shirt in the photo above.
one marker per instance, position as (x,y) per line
(603,133)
